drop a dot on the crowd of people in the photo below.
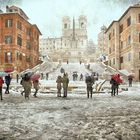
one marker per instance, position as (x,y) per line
(62,83)
(26,83)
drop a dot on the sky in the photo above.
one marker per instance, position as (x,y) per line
(48,14)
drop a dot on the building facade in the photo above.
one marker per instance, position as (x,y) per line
(102,43)
(124,42)
(71,46)
(19,40)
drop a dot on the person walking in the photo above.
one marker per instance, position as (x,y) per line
(130,79)
(59,87)
(113,86)
(119,81)
(65,81)
(22,83)
(1,84)
(36,87)
(89,84)
(47,76)
(81,77)
(17,77)
(27,86)
(7,81)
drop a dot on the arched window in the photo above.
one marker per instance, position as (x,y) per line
(82,25)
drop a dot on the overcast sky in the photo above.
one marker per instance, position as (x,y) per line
(47,14)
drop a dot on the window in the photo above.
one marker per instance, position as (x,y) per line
(129,21)
(121,28)
(109,36)
(121,59)
(113,32)
(139,18)
(121,44)
(110,62)
(109,50)
(129,40)
(65,25)
(28,31)
(27,58)
(28,46)
(8,57)
(129,56)
(9,23)
(8,39)
(19,41)
(114,61)
(82,25)
(20,56)
(19,25)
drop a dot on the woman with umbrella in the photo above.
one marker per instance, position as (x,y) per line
(130,79)
(115,82)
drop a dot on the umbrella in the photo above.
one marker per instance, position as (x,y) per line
(131,75)
(117,78)
(2,74)
(35,77)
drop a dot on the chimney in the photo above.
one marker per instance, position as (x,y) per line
(7,8)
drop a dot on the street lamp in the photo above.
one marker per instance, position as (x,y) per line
(23,54)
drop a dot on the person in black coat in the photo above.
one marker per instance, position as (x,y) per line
(130,79)
(7,81)
(114,85)
(89,83)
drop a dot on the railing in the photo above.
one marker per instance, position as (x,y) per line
(112,70)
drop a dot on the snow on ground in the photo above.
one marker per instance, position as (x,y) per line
(75,118)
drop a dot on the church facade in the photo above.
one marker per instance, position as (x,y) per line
(71,46)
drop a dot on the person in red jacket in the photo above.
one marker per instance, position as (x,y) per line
(1,83)
(118,80)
